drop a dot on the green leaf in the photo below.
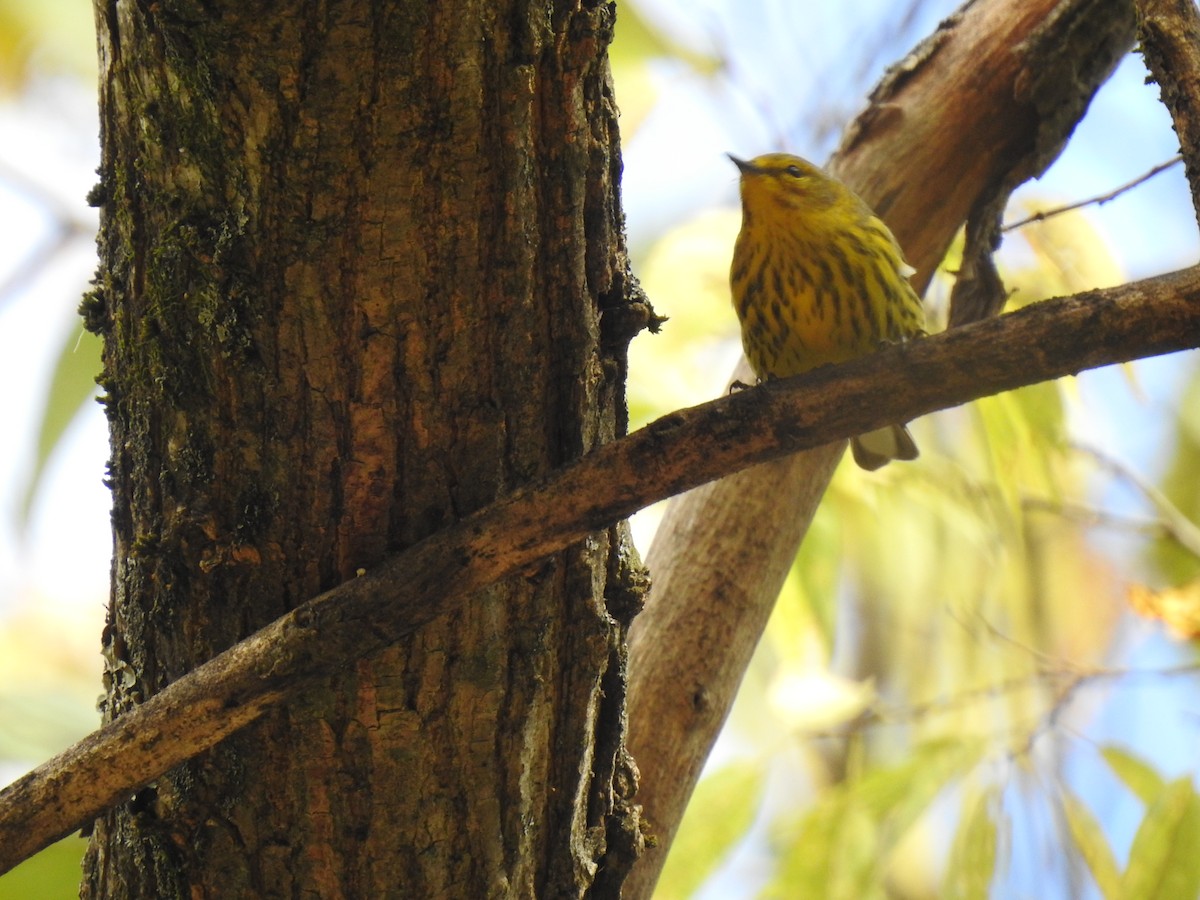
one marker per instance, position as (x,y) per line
(1137,775)
(72,386)
(855,872)
(719,815)
(832,857)
(1175,563)
(842,847)
(1163,863)
(900,794)
(817,573)
(1089,839)
(972,863)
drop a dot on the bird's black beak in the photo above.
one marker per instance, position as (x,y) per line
(746,168)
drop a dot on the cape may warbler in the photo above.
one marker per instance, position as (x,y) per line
(817,278)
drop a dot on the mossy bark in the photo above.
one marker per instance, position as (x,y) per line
(361,272)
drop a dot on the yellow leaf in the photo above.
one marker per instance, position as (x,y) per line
(1178,608)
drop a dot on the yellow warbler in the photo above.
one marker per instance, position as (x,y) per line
(818,278)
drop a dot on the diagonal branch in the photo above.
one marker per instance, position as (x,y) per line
(673,454)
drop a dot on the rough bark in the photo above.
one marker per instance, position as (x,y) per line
(982,104)
(1169,34)
(354,258)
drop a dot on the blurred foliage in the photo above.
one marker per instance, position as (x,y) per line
(38,40)
(940,626)
(49,681)
(52,874)
(972,860)
(730,799)
(46,35)
(48,670)
(686,275)
(634,51)
(1176,563)
(1163,862)
(843,846)
(47,697)
(72,386)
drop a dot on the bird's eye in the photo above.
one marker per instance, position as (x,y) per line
(794,171)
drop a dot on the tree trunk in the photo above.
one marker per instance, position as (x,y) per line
(353,264)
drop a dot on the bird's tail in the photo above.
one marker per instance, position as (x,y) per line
(878,448)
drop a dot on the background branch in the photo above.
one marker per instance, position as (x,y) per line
(1043,214)
(675,453)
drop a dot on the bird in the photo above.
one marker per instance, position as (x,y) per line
(818,278)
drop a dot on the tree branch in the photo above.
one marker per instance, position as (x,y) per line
(1099,200)
(673,454)
(1169,32)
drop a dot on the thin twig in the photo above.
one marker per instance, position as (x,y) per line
(1099,201)
(71,216)
(1177,525)
(1095,517)
(1066,679)
(69,224)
